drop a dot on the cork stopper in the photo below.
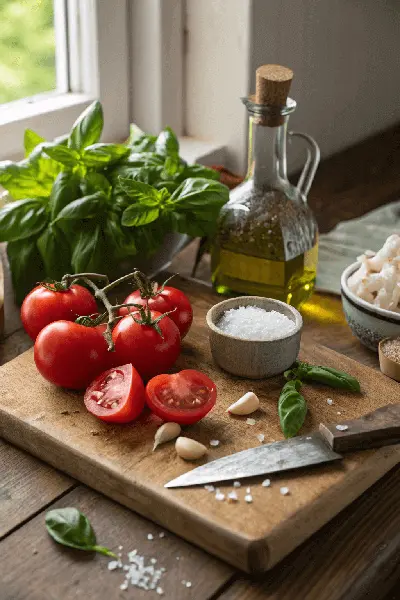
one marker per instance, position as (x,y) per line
(272,89)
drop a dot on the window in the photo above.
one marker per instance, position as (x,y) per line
(56,56)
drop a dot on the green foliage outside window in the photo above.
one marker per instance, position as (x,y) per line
(27,48)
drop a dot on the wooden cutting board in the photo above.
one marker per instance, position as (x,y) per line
(118,460)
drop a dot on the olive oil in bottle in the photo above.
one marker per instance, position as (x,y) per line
(267,238)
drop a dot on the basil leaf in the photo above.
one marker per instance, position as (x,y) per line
(69,527)
(194,193)
(140,141)
(198,171)
(95,182)
(54,250)
(167,143)
(20,180)
(87,128)
(26,266)
(65,189)
(144,159)
(101,155)
(139,214)
(292,408)
(82,208)
(62,154)
(88,249)
(31,140)
(118,237)
(21,219)
(141,192)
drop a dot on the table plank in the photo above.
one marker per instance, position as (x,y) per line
(26,485)
(35,568)
(354,557)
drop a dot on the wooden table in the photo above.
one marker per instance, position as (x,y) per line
(354,557)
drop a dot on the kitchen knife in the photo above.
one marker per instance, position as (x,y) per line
(379,428)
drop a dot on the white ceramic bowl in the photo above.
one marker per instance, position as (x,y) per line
(255,359)
(370,324)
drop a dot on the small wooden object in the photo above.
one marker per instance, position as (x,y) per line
(388,366)
(272,89)
(1,298)
(378,428)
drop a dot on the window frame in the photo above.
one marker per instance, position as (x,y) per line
(53,113)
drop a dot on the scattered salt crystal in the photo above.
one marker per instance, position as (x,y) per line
(248,490)
(209,488)
(120,547)
(124,586)
(153,561)
(250,421)
(338,412)
(342,427)
(214,442)
(260,437)
(113,564)
(248,498)
(254,323)
(219,496)
(188,584)
(284,491)
(150,536)
(266,483)
(330,401)
(309,437)
(161,534)
(183,582)
(232,497)
(160,591)
(236,484)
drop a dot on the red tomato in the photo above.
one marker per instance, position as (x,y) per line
(184,397)
(42,306)
(143,347)
(169,299)
(71,355)
(116,396)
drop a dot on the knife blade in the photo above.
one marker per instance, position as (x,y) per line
(297,452)
(378,428)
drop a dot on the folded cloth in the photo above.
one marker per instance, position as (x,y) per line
(341,246)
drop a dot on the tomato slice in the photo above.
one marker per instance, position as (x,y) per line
(183,398)
(117,395)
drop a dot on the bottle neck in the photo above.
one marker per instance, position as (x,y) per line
(267,153)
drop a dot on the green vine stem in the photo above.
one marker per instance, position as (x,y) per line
(142,282)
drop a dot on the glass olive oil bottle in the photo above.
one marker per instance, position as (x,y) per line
(267,238)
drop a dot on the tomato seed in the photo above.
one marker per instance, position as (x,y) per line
(96,394)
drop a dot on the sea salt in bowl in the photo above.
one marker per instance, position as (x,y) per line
(255,358)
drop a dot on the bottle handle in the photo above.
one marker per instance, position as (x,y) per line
(313,156)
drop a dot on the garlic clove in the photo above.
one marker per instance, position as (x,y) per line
(189,449)
(166,433)
(246,405)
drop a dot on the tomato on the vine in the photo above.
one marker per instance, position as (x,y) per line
(166,299)
(184,397)
(43,306)
(150,342)
(71,355)
(116,396)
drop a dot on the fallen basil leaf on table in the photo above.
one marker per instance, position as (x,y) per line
(69,527)
(327,375)
(292,408)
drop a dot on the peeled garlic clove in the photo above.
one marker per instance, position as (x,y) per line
(189,449)
(246,405)
(166,433)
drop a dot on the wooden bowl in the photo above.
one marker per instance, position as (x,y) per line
(255,359)
(388,366)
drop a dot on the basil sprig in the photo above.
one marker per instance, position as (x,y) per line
(69,527)
(81,205)
(292,408)
(326,375)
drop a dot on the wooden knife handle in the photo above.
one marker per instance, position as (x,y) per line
(378,428)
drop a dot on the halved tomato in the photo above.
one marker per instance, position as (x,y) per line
(117,395)
(184,397)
